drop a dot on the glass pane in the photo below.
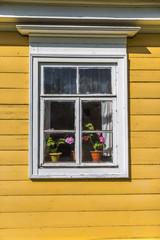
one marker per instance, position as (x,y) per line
(95,80)
(59,147)
(59,80)
(97,115)
(97,147)
(59,115)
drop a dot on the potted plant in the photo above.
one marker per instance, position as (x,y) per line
(97,141)
(53,148)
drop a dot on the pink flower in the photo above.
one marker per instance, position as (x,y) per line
(99,134)
(102,139)
(85,138)
(69,140)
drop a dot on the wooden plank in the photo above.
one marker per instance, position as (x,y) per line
(78,187)
(145,171)
(145,156)
(79,203)
(14,142)
(85,233)
(20,173)
(143,52)
(145,139)
(144,76)
(144,106)
(144,63)
(79,219)
(14,173)
(145,123)
(14,111)
(13,157)
(144,90)
(14,80)
(13,39)
(14,51)
(14,126)
(14,96)
(144,40)
(14,64)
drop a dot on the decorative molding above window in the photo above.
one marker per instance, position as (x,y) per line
(77,31)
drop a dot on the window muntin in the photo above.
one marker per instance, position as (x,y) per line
(59,120)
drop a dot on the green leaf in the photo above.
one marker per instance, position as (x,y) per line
(89,126)
(60,141)
(50,142)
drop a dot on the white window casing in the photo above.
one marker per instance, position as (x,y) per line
(76,46)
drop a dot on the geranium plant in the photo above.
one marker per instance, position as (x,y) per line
(53,145)
(96,139)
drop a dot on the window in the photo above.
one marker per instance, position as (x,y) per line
(77,112)
(78,102)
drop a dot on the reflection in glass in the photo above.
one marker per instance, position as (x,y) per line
(95,80)
(98,113)
(59,115)
(61,145)
(59,80)
(97,147)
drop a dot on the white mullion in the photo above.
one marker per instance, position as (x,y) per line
(77,79)
(77,125)
(41,130)
(42,80)
(80,129)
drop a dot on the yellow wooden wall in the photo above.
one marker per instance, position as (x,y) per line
(80,209)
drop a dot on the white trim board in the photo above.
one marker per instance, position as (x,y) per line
(78,31)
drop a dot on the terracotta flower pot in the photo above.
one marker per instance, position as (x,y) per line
(55,156)
(96,155)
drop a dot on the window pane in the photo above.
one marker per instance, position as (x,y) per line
(59,147)
(59,115)
(97,115)
(95,80)
(97,147)
(59,80)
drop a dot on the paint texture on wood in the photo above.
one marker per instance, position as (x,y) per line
(84,233)
(144,75)
(80,209)
(76,187)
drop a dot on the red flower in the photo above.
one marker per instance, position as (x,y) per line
(85,138)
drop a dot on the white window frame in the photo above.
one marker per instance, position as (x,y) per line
(109,48)
(72,170)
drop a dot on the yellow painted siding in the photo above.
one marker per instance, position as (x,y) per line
(80,209)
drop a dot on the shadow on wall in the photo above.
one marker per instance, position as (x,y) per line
(139,50)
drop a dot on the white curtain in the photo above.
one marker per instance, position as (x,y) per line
(107,124)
